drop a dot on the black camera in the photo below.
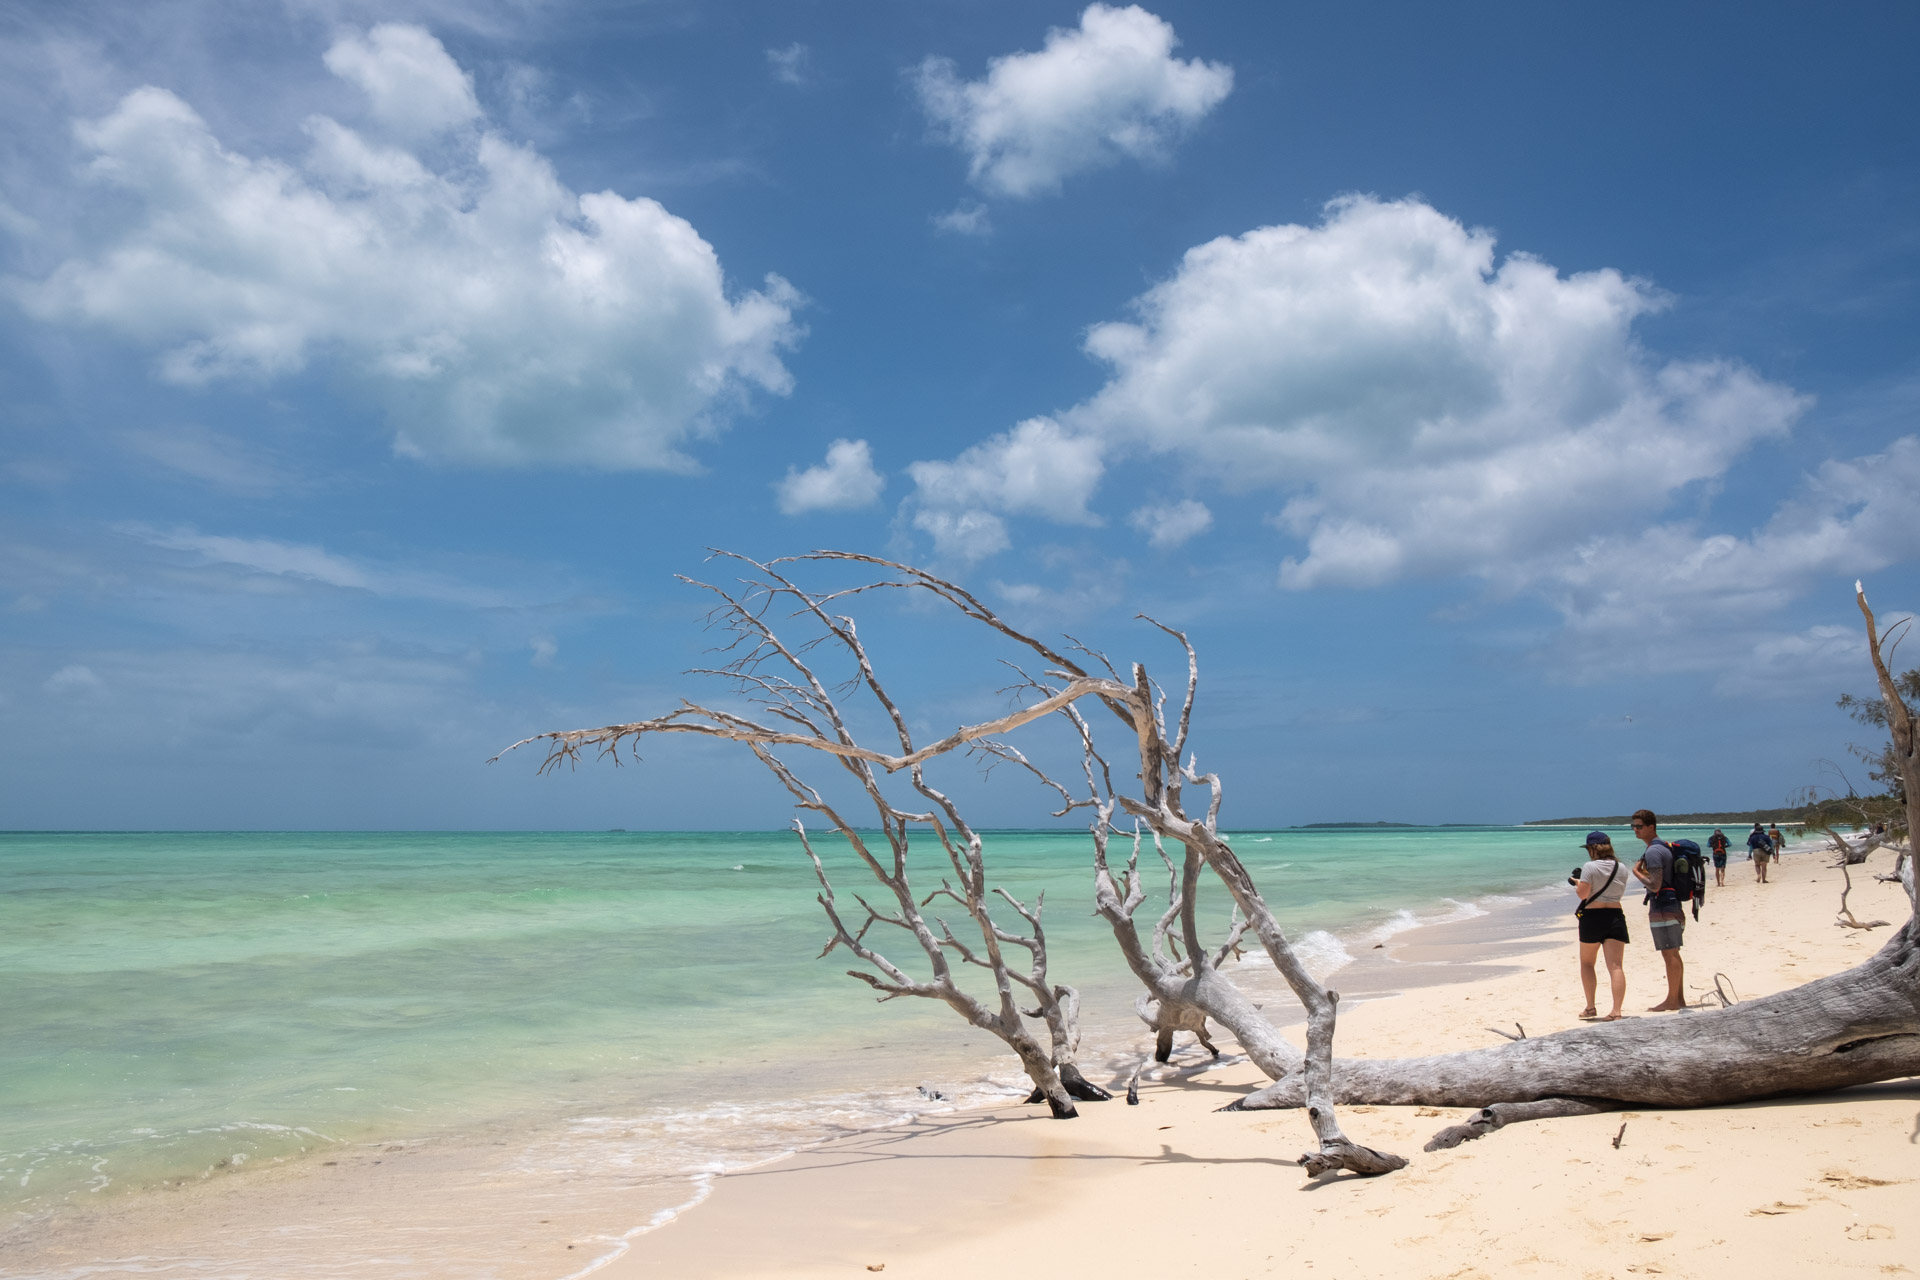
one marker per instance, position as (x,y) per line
(1573,877)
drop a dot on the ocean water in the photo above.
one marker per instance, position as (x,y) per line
(179,1006)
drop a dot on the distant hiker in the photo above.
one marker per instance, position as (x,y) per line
(1603,921)
(1760,849)
(1666,916)
(1779,841)
(1717,844)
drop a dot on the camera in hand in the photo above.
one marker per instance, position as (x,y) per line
(1573,877)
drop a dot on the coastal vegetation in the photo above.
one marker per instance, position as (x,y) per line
(1882,760)
(1139,780)
(1727,817)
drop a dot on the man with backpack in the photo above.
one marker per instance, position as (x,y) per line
(1666,909)
(1718,843)
(1760,849)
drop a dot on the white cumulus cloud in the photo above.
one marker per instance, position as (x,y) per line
(1038,468)
(1171,524)
(964,535)
(1107,90)
(844,482)
(1425,408)
(414,90)
(1668,597)
(500,317)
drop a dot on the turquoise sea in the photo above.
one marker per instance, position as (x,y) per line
(178,1006)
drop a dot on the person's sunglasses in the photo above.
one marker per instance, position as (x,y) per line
(1638,825)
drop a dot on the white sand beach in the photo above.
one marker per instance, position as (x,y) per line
(1810,1185)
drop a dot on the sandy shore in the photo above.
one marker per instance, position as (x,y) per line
(1173,1187)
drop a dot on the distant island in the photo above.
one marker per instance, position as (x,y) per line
(1328,826)
(1744,817)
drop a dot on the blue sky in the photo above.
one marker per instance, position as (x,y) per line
(1505,396)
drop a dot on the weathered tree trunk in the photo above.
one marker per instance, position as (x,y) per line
(1852,855)
(1501,1114)
(1062,1017)
(1182,995)
(1852,1028)
(1165,1017)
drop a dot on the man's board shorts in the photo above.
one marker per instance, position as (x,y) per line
(1607,924)
(1720,858)
(1667,927)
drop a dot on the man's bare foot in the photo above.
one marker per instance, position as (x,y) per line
(1665,1006)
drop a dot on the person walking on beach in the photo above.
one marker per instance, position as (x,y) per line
(1666,913)
(1760,849)
(1779,841)
(1603,922)
(1717,844)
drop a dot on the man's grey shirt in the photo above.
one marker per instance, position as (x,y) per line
(1659,864)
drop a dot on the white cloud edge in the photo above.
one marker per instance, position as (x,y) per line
(845,481)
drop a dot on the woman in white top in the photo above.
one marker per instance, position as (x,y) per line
(1603,923)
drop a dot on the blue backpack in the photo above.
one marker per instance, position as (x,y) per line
(1689,874)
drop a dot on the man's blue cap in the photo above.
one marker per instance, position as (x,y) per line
(1598,837)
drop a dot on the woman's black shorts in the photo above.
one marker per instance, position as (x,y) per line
(1604,925)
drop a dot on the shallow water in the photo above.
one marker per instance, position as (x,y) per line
(180,1006)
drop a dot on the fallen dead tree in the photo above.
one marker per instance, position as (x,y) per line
(1851,1028)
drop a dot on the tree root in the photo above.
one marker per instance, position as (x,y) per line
(1501,1114)
(1076,1085)
(1352,1157)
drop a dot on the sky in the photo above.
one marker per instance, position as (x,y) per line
(1504,397)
